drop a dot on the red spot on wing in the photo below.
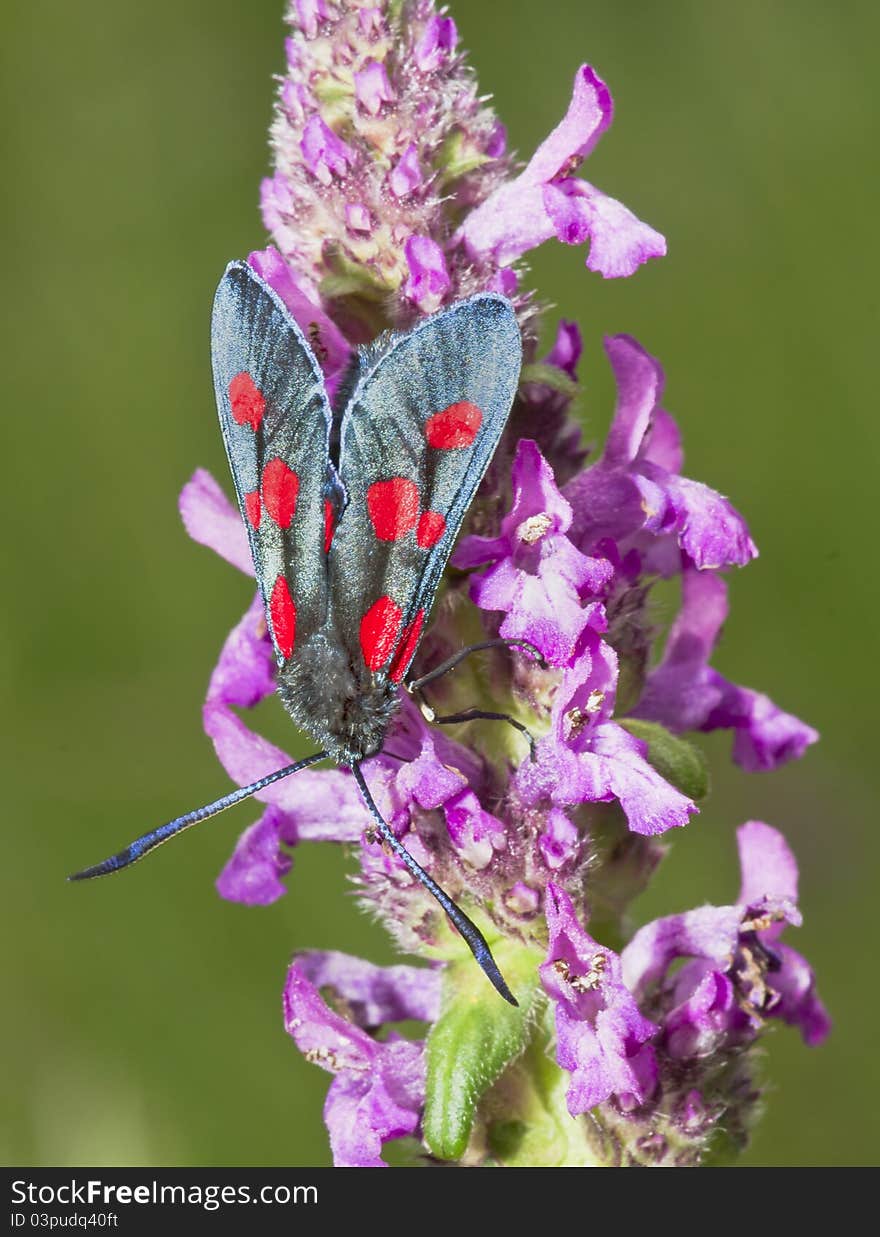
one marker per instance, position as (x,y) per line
(407,648)
(328,524)
(455,426)
(280,488)
(379,628)
(252,508)
(431,528)
(394,507)
(282,612)
(247,400)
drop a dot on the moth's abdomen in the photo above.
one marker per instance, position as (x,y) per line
(345,708)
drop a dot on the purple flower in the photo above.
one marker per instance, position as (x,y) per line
(378,1091)
(374,995)
(567,349)
(439,774)
(536,578)
(587,758)
(428,280)
(560,843)
(544,200)
(309,14)
(436,44)
(685,693)
(739,972)
(325,154)
(634,488)
(406,175)
(372,87)
(601,1035)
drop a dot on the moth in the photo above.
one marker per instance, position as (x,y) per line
(352,511)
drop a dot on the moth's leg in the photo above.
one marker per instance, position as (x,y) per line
(451,662)
(472,715)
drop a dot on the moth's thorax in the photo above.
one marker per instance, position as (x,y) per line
(346,708)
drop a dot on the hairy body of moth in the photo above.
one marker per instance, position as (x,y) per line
(345,707)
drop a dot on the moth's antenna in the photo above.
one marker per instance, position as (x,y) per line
(156,837)
(468,929)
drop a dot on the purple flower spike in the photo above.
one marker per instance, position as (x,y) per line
(437,43)
(536,576)
(428,280)
(601,1035)
(684,693)
(372,87)
(325,154)
(544,200)
(378,1091)
(392,195)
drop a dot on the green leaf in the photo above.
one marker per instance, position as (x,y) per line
(476,1036)
(680,762)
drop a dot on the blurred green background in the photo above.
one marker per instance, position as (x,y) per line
(142,1019)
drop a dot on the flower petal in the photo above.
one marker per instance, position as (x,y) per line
(640,381)
(210,518)
(325,338)
(601,1034)
(514,218)
(428,280)
(253,873)
(711,932)
(769,868)
(378,1093)
(375,994)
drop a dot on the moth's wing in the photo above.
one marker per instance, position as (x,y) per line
(275,420)
(416,438)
